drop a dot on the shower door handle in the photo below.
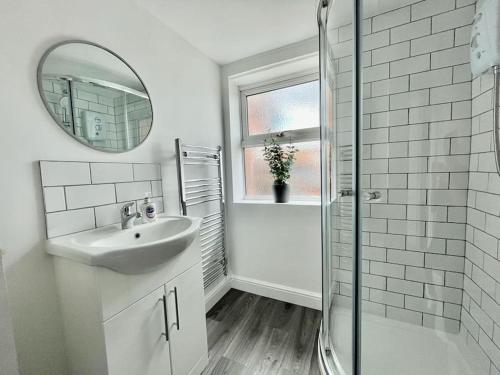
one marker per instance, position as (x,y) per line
(345,193)
(371,195)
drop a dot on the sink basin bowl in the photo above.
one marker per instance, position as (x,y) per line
(130,251)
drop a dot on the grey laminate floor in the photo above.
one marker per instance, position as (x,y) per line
(249,334)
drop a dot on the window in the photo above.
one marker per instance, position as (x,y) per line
(289,111)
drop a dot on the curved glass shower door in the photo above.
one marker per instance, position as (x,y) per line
(338,182)
(425,258)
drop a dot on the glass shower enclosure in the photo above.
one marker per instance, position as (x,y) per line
(406,287)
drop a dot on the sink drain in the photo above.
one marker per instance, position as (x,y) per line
(137,235)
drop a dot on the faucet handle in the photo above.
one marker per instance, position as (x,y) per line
(125,210)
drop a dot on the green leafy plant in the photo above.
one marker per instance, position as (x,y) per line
(280,159)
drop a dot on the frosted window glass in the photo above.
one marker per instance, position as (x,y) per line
(289,108)
(305,176)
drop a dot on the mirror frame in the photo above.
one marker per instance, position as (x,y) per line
(53,115)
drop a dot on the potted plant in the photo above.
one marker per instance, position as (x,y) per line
(280,160)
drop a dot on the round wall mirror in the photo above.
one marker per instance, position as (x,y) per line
(95,96)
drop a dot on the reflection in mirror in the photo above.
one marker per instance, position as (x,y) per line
(95,96)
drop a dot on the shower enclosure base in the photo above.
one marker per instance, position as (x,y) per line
(391,347)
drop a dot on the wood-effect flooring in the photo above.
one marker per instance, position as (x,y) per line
(250,334)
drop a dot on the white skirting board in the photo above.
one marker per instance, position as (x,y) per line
(279,292)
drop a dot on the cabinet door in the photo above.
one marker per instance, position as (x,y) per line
(135,339)
(188,330)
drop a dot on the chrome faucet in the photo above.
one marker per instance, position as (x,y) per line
(128,218)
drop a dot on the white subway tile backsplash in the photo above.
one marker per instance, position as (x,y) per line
(54,198)
(66,222)
(109,214)
(111,172)
(147,172)
(55,173)
(156,187)
(90,195)
(79,195)
(129,191)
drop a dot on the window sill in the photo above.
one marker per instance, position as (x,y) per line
(270,202)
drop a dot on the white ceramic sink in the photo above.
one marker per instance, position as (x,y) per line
(130,251)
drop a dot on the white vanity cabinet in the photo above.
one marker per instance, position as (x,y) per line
(135,338)
(185,300)
(142,324)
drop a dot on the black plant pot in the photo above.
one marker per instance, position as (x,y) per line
(280,193)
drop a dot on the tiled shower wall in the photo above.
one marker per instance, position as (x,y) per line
(106,101)
(417,124)
(481,302)
(80,196)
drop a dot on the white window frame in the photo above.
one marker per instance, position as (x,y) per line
(285,137)
(293,136)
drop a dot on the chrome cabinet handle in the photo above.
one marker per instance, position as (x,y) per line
(164,300)
(176,309)
(371,195)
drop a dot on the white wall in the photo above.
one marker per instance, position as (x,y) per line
(185,91)
(273,249)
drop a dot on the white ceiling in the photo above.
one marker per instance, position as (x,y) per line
(228,30)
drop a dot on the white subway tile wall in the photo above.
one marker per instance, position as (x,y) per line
(84,195)
(417,144)
(480,312)
(109,103)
